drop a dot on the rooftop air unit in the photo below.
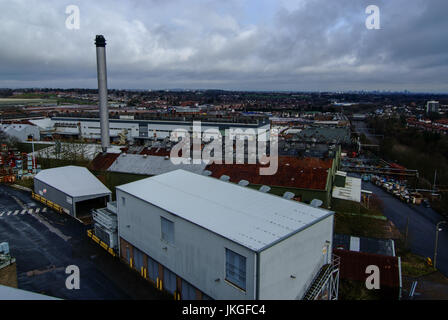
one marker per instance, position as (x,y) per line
(265,189)
(288,195)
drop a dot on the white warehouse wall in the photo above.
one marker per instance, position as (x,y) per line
(300,255)
(198,255)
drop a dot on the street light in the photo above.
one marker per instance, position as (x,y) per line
(437,239)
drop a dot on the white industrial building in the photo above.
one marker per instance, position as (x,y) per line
(73,188)
(22,132)
(199,238)
(139,129)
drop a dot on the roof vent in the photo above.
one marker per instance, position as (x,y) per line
(207,173)
(316,203)
(167,157)
(288,195)
(224,178)
(264,189)
(243,183)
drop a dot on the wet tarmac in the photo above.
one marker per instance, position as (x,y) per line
(44,243)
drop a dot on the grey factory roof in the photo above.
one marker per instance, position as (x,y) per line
(9,293)
(150,165)
(73,181)
(246,216)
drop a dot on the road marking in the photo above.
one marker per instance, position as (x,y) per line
(37,210)
(23,211)
(15,213)
(44,210)
(1,214)
(30,211)
(9,212)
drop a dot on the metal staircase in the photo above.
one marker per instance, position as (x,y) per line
(326,278)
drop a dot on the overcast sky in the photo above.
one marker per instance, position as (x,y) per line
(295,45)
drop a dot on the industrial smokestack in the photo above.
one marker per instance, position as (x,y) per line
(102,90)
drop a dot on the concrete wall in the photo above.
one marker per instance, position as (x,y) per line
(301,256)
(197,255)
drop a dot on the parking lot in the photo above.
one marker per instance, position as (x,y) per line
(44,243)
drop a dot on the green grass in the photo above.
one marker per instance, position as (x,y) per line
(27,147)
(114,179)
(28,183)
(412,265)
(360,226)
(356,290)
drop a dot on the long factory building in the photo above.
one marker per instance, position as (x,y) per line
(89,128)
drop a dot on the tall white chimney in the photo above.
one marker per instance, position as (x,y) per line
(102,90)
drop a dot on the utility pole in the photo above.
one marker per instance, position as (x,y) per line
(434,185)
(437,240)
(407,233)
(32,146)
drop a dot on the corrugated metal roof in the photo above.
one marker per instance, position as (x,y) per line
(103,161)
(353,267)
(72,180)
(249,217)
(150,165)
(301,173)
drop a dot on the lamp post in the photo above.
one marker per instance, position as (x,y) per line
(437,239)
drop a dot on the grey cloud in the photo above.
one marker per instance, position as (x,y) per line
(312,45)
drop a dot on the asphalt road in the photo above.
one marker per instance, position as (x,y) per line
(422,226)
(45,243)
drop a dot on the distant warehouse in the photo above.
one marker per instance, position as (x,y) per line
(73,188)
(198,237)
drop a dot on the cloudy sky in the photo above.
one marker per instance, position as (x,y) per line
(227,44)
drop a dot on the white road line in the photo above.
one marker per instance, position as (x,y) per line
(1,214)
(44,210)
(37,210)
(16,212)
(30,211)
(9,212)
(23,211)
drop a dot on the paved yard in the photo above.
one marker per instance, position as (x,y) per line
(44,243)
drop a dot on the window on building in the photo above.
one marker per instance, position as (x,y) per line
(167,230)
(123,201)
(236,269)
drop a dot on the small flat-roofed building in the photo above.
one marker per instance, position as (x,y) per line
(198,237)
(73,188)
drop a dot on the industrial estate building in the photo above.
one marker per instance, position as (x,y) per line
(72,188)
(199,237)
(22,132)
(144,129)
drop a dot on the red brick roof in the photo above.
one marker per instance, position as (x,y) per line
(102,162)
(301,173)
